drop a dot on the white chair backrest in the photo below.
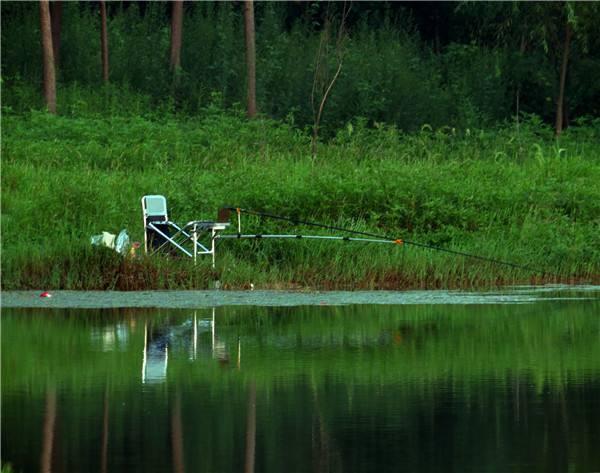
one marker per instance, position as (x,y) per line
(154,206)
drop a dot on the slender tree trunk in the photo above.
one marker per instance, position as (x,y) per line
(315,133)
(522,48)
(104,42)
(250,56)
(49,80)
(56,19)
(176,33)
(48,434)
(251,429)
(563,79)
(320,82)
(436,41)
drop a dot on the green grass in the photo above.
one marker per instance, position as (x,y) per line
(520,196)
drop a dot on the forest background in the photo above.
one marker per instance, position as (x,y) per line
(472,126)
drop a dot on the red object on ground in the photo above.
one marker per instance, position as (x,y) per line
(45,294)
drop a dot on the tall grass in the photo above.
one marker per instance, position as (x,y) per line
(521,196)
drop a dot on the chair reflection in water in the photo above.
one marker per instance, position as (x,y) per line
(157,342)
(156,357)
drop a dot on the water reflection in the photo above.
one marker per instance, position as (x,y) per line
(105,424)
(111,337)
(48,430)
(177,434)
(159,336)
(319,389)
(156,356)
(250,429)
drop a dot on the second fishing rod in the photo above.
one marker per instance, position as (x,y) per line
(374,237)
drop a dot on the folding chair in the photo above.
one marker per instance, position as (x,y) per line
(162,234)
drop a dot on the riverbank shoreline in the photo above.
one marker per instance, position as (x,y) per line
(216,298)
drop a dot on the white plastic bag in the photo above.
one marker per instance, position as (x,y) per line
(122,243)
(105,239)
(118,243)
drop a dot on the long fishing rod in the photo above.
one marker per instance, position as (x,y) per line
(380,238)
(258,236)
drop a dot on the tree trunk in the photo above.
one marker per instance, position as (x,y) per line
(49,80)
(56,18)
(104,42)
(250,56)
(522,49)
(320,80)
(176,32)
(436,41)
(563,79)
(315,133)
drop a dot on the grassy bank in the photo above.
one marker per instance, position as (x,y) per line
(511,194)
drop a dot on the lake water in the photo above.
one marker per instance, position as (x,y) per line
(301,382)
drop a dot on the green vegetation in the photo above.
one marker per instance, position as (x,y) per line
(461,65)
(436,130)
(508,193)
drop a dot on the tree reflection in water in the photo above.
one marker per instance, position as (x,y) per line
(311,389)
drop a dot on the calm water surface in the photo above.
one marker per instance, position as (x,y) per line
(451,386)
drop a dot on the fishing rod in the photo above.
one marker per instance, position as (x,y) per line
(224,213)
(258,236)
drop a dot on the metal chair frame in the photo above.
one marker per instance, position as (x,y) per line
(185,238)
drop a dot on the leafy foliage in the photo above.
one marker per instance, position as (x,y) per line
(390,74)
